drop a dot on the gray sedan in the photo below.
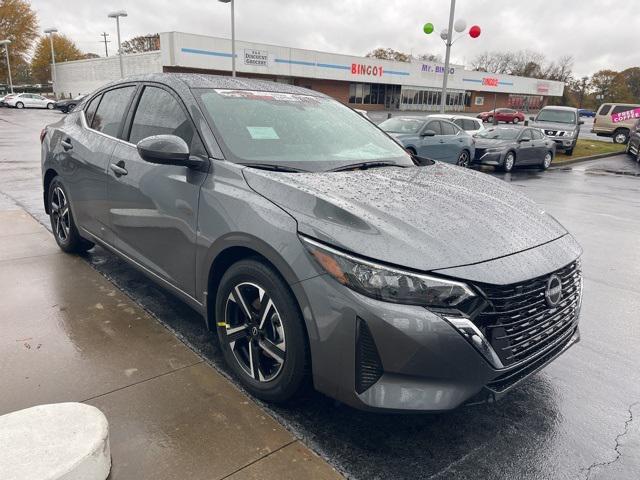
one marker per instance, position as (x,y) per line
(311,243)
(433,138)
(508,147)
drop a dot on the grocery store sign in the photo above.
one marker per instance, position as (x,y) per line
(256,58)
(626,115)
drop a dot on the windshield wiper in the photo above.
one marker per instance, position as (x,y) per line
(364,166)
(273,167)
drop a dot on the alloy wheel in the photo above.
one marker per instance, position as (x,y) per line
(547,160)
(620,138)
(254,332)
(60,214)
(463,159)
(508,162)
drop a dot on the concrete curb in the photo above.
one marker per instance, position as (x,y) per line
(585,159)
(63,441)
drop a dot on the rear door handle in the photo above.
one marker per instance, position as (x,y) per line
(118,168)
(66,144)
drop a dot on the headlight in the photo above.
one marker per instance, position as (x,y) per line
(386,283)
(570,133)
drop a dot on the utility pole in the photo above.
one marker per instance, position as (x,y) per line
(106,48)
(447,58)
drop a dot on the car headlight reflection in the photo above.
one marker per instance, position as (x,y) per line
(388,284)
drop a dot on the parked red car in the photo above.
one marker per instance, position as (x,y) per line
(506,115)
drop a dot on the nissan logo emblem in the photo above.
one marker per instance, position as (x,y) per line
(553,293)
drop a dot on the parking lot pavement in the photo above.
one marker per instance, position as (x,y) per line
(577,419)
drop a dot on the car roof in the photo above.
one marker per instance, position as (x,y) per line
(553,107)
(179,81)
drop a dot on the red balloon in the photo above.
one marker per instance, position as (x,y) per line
(474,32)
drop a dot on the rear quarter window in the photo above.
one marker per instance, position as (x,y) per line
(90,111)
(604,109)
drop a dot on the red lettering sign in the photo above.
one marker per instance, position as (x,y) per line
(360,69)
(490,82)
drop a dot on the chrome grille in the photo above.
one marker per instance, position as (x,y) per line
(520,325)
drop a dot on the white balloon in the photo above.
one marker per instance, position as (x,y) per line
(444,34)
(460,26)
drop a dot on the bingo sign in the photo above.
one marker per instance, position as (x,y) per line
(256,58)
(626,115)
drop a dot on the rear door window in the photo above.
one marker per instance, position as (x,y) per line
(537,134)
(159,113)
(604,109)
(526,135)
(111,111)
(448,129)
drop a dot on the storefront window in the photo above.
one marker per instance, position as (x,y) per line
(358,93)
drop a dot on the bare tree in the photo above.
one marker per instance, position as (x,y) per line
(525,63)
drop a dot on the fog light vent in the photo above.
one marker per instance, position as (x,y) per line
(368,364)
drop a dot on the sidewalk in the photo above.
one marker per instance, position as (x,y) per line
(67,334)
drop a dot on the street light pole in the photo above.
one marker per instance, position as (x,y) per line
(6,44)
(51,31)
(117,15)
(447,58)
(233,36)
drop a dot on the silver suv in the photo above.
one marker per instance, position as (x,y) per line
(561,124)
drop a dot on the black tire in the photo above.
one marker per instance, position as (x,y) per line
(464,159)
(569,152)
(62,223)
(19,105)
(621,136)
(546,161)
(507,165)
(64,109)
(490,120)
(516,121)
(49,106)
(267,379)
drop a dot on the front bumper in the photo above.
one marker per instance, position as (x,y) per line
(495,159)
(563,143)
(420,362)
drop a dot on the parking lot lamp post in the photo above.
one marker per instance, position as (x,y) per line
(117,15)
(50,32)
(233,37)
(6,44)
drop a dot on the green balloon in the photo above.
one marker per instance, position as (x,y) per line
(428,28)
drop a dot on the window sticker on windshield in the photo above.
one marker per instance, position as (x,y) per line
(263,133)
(268,96)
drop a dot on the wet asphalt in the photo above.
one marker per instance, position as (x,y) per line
(577,419)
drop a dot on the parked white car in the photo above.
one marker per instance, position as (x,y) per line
(30,100)
(468,124)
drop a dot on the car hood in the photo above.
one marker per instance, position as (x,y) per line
(425,218)
(553,126)
(492,143)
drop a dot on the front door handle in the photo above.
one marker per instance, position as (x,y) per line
(118,168)
(66,144)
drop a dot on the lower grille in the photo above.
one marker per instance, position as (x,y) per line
(368,363)
(520,324)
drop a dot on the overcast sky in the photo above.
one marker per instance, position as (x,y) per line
(598,33)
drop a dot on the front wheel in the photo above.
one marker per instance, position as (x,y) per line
(509,162)
(62,222)
(464,159)
(19,105)
(620,136)
(261,331)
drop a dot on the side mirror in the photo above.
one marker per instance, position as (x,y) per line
(428,133)
(167,150)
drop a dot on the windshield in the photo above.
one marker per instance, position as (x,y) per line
(402,125)
(499,133)
(556,116)
(295,131)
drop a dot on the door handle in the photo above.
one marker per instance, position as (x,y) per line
(118,168)
(66,144)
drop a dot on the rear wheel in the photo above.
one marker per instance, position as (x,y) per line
(261,331)
(509,162)
(19,105)
(516,121)
(62,222)
(464,159)
(49,106)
